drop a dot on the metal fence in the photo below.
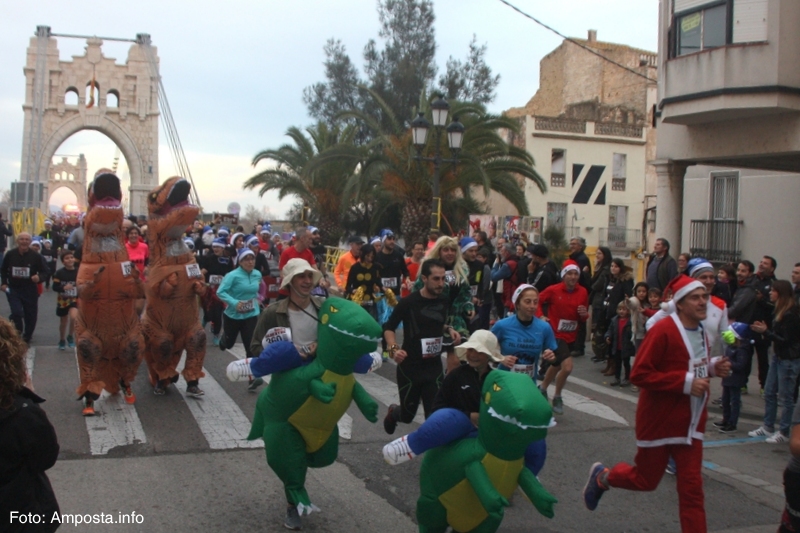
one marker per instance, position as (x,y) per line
(621,238)
(716,240)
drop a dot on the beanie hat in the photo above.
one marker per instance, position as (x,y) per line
(236,236)
(223,230)
(466,243)
(698,265)
(244,252)
(522,288)
(265,229)
(539,250)
(741,331)
(569,264)
(374,240)
(252,240)
(189,243)
(219,241)
(680,287)
(386,232)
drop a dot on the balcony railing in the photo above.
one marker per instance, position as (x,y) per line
(621,238)
(716,240)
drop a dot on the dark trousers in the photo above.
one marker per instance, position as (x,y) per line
(214,315)
(621,362)
(232,327)
(762,352)
(415,384)
(790,521)
(731,404)
(580,345)
(24,304)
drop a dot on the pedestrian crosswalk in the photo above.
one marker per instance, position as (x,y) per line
(222,416)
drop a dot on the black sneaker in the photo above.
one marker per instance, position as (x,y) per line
(727,429)
(615,383)
(194,391)
(718,401)
(390,420)
(222,342)
(292,520)
(161,388)
(720,424)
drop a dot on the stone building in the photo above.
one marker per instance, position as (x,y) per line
(589,130)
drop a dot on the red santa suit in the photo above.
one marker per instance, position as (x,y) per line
(669,421)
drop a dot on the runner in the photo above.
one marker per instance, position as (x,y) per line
(67,301)
(214,267)
(566,307)
(392,261)
(469,251)
(672,369)
(424,315)
(412,264)
(239,290)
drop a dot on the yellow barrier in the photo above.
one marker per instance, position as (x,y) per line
(29,220)
(332,255)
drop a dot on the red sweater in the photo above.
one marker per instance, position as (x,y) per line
(563,309)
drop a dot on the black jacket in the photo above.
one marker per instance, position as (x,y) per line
(744,301)
(667,269)
(785,335)
(586,269)
(622,290)
(628,348)
(5,232)
(31,260)
(544,275)
(28,447)
(739,356)
(597,288)
(461,389)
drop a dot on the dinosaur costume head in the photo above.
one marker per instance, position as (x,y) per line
(348,331)
(513,414)
(169,214)
(103,235)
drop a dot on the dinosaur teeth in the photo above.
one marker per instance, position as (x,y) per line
(511,420)
(362,337)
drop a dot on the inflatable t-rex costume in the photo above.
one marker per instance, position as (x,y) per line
(171,322)
(296,414)
(108,332)
(466,484)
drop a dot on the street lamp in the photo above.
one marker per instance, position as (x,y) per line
(455,137)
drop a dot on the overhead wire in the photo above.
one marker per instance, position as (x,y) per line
(577,43)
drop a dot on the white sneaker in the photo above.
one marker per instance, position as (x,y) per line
(398,451)
(239,370)
(778,438)
(377,360)
(760,432)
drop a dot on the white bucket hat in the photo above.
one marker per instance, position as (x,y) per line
(297,266)
(482,341)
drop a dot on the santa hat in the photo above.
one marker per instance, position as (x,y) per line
(374,240)
(244,252)
(386,232)
(189,243)
(219,242)
(569,264)
(741,331)
(252,240)
(680,286)
(697,266)
(223,230)
(466,243)
(208,230)
(522,288)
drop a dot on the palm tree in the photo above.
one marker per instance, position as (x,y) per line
(321,188)
(390,174)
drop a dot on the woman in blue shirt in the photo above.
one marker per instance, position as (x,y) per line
(239,291)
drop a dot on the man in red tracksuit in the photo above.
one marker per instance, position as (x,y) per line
(672,369)
(567,307)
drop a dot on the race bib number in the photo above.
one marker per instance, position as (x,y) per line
(274,288)
(275,335)
(567,326)
(366,303)
(524,369)
(247,306)
(431,347)
(70,293)
(450,277)
(389,283)
(700,368)
(193,271)
(474,290)
(127,268)
(20,272)
(214,279)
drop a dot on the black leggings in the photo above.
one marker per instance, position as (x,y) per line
(232,327)
(620,362)
(790,521)
(415,383)
(214,315)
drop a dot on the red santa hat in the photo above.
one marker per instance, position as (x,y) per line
(679,287)
(569,264)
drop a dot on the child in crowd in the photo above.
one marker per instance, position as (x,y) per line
(64,283)
(49,254)
(636,305)
(654,299)
(739,353)
(620,342)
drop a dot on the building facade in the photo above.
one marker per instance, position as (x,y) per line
(729,128)
(588,128)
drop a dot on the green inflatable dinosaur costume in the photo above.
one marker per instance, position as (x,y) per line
(296,414)
(466,484)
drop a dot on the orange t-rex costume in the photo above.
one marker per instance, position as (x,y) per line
(171,322)
(110,341)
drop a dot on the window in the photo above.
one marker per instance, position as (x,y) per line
(725,196)
(702,29)
(620,172)
(617,223)
(558,167)
(556,214)
(112,98)
(71,96)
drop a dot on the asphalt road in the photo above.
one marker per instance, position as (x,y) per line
(182,464)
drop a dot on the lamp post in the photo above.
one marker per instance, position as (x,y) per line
(455,137)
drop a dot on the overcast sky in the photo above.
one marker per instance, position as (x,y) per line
(234,71)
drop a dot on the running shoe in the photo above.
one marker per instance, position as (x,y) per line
(62,345)
(760,432)
(390,421)
(670,469)
(718,401)
(194,391)
(558,405)
(255,384)
(593,490)
(398,451)
(215,340)
(777,438)
(292,520)
(88,407)
(127,392)
(160,388)
(239,370)
(720,424)
(70,341)
(615,383)
(728,428)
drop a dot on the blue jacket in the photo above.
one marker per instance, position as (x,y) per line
(237,286)
(739,357)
